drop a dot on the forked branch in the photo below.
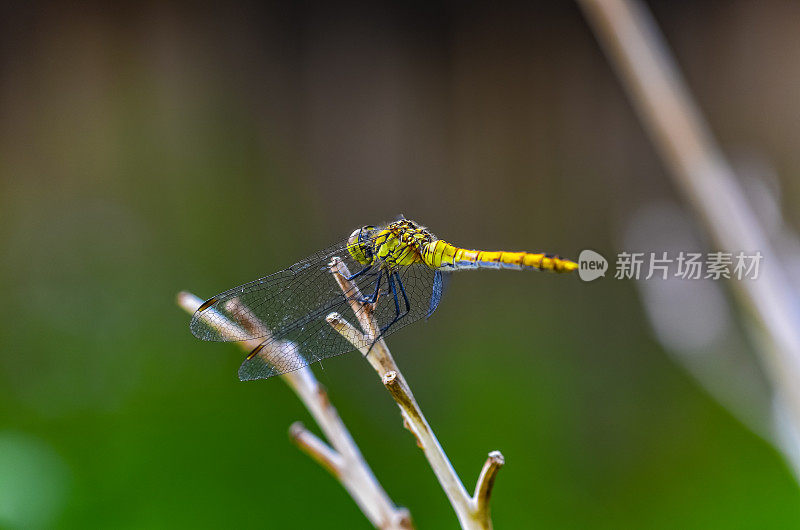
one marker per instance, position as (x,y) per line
(342,457)
(472,512)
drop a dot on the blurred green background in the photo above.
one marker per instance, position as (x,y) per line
(156,147)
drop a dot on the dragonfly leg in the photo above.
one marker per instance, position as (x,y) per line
(403,291)
(359,273)
(397,313)
(396,302)
(372,299)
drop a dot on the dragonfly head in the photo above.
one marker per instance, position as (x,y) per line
(358,244)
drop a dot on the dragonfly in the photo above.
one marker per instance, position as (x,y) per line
(397,270)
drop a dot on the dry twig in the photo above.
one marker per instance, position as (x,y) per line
(472,512)
(342,458)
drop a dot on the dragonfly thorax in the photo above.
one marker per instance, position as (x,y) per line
(398,244)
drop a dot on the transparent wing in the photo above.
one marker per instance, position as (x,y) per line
(312,339)
(288,309)
(276,301)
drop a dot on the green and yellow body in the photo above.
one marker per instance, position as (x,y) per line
(404,243)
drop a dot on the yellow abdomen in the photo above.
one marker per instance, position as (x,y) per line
(442,255)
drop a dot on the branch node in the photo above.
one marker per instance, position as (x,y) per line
(347,330)
(322,395)
(410,429)
(389,378)
(318,450)
(404,519)
(399,391)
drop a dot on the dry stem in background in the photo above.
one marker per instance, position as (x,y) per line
(637,50)
(472,511)
(343,459)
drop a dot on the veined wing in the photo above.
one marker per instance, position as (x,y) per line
(276,301)
(290,306)
(312,339)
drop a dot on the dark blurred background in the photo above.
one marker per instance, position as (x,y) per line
(149,148)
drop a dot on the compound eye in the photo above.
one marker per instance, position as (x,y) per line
(358,247)
(365,234)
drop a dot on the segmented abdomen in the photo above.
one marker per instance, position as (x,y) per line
(442,255)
